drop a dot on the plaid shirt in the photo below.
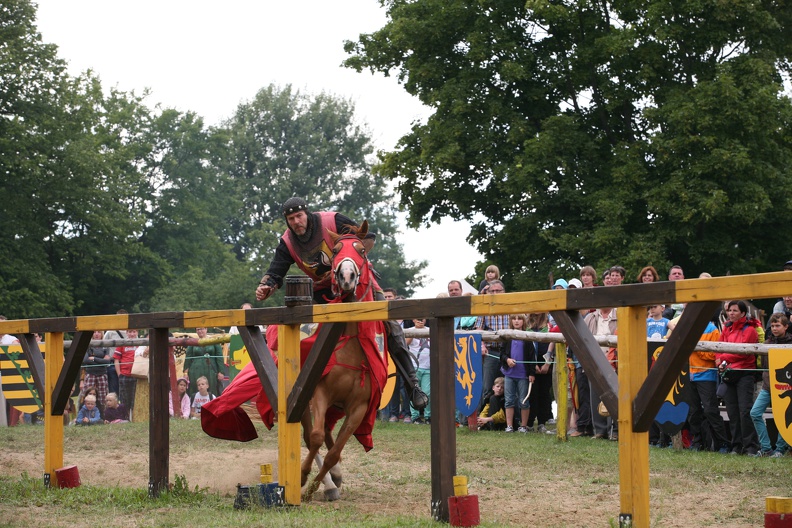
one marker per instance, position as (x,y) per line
(494,323)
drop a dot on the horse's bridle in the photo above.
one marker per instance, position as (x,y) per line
(361,268)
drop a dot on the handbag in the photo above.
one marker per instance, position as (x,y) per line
(140,368)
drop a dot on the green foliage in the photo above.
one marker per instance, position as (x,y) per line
(576,133)
(108,204)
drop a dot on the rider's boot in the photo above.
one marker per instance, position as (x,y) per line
(398,352)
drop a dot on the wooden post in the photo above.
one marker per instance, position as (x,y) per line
(633,446)
(159,425)
(288,433)
(562,383)
(53,425)
(443,404)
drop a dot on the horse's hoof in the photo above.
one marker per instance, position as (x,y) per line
(309,490)
(332,494)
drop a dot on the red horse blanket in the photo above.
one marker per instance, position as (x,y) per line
(224,418)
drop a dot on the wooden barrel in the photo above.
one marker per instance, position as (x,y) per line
(68,477)
(299,290)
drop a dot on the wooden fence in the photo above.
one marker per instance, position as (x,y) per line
(632,398)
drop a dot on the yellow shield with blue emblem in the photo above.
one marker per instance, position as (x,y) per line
(780,370)
(469,372)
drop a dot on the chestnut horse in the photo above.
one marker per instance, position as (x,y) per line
(347,387)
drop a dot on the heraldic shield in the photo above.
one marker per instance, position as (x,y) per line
(469,372)
(780,367)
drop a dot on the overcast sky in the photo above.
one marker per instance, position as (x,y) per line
(210,56)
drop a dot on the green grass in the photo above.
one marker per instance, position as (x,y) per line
(520,479)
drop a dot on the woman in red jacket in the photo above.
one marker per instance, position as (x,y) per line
(738,375)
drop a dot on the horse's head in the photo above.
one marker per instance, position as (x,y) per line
(350,263)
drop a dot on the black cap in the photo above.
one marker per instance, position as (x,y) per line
(787,265)
(293,205)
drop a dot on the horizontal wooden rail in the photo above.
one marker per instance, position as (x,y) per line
(757,286)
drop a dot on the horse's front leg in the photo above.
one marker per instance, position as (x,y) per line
(315,439)
(305,467)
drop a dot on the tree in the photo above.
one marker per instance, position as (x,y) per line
(71,192)
(594,132)
(284,143)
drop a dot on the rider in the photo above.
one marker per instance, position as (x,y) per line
(307,244)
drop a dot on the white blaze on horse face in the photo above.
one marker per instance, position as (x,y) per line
(347,275)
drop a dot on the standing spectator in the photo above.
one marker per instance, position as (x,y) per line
(656,324)
(738,375)
(517,363)
(394,406)
(541,398)
(616,275)
(779,335)
(588,276)
(123,358)
(466,322)
(648,274)
(204,361)
(491,350)
(95,363)
(602,322)
(674,274)
(112,375)
(419,349)
(606,278)
(89,414)
(703,398)
(492,273)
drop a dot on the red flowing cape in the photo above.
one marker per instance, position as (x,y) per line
(224,418)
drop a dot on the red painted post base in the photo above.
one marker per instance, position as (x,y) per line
(778,520)
(463,511)
(473,421)
(68,477)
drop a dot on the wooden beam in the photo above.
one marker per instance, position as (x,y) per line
(159,425)
(449,306)
(443,426)
(70,372)
(311,371)
(262,360)
(35,361)
(288,433)
(616,296)
(633,446)
(588,352)
(671,362)
(53,425)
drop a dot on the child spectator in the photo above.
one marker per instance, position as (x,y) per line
(89,414)
(419,349)
(541,398)
(201,397)
(184,400)
(492,416)
(517,366)
(656,324)
(779,334)
(492,273)
(115,412)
